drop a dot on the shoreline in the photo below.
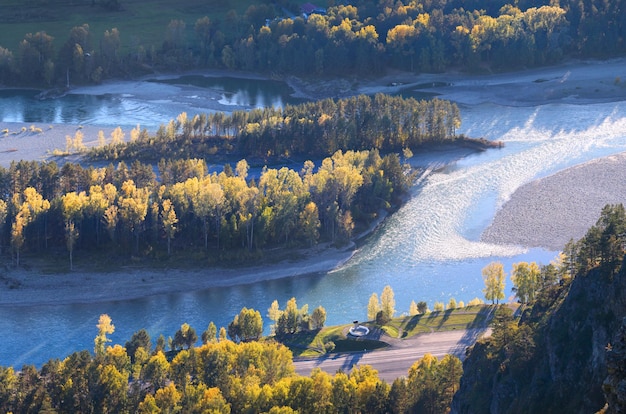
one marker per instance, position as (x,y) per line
(21,287)
(31,287)
(573,81)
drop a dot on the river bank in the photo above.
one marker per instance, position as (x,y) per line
(22,287)
(574,81)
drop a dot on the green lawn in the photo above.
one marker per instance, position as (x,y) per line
(312,343)
(469,317)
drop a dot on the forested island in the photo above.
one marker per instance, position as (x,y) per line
(226,215)
(315,129)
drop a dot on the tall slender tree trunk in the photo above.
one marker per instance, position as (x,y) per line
(218,223)
(205,224)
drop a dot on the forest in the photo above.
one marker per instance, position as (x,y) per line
(219,376)
(314,129)
(216,216)
(172,205)
(566,317)
(362,38)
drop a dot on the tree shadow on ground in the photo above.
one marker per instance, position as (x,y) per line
(412,324)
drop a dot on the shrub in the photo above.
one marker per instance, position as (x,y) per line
(422,307)
(475,302)
(381,319)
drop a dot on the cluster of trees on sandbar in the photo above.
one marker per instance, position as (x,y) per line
(361,38)
(44,207)
(314,129)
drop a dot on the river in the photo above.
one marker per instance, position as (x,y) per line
(429,250)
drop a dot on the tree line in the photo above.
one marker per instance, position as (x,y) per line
(110,209)
(219,376)
(314,129)
(362,38)
(529,279)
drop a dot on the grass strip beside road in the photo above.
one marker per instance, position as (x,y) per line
(318,343)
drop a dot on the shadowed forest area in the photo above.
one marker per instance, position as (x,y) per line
(101,39)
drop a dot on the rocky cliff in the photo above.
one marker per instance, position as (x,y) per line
(555,358)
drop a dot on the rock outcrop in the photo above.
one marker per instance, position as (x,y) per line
(558,356)
(615,384)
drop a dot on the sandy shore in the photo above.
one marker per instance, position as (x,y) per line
(545,213)
(575,81)
(20,287)
(38,142)
(550,211)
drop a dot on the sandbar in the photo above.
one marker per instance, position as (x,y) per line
(551,211)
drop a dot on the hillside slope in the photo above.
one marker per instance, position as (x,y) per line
(555,359)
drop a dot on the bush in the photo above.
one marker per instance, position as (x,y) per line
(381,319)
(475,302)
(422,307)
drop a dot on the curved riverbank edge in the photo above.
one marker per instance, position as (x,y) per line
(21,287)
(550,211)
(574,82)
